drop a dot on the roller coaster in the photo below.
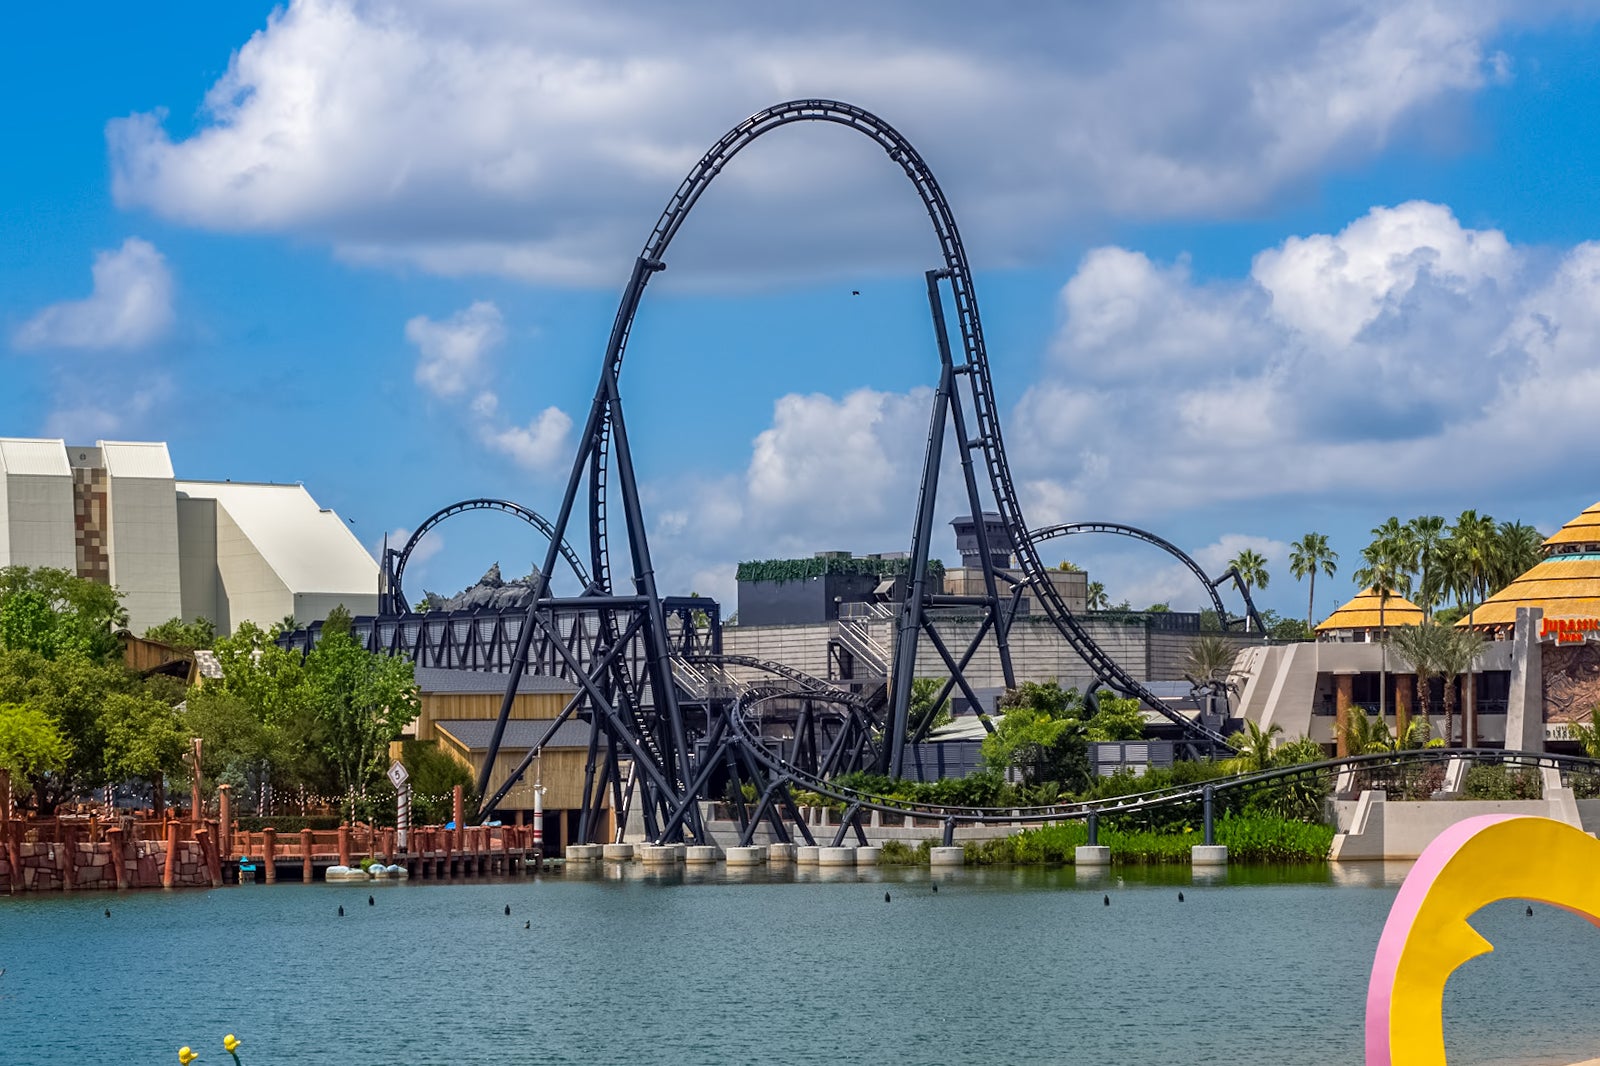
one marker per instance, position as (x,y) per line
(673,709)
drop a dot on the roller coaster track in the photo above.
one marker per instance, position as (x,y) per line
(1039,536)
(604,461)
(395,560)
(974,369)
(856,802)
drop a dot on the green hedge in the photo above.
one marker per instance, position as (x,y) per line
(782,570)
(289,823)
(1249,838)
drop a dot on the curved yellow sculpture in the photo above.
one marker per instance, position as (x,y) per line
(1470,865)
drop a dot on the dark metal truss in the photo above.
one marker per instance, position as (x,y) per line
(1039,536)
(669,781)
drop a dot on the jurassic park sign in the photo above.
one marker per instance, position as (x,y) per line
(1569,630)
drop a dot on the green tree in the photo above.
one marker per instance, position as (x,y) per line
(1389,560)
(434,775)
(1045,697)
(1255,748)
(1425,648)
(924,715)
(1115,719)
(1457,657)
(1208,666)
(1068,566)
(1428,536)
(185,636)
(361,702)
(145,739)
(1366,735)
(30,746)
(1519,549)
(1250,568)
(1308,555)
(83,615)
(1040,748)
(71,690)
(1098,601)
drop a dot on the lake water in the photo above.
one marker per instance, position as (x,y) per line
(998,966)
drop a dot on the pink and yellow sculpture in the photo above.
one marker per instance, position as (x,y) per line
(1473,863)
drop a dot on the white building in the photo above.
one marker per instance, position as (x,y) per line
(226,551)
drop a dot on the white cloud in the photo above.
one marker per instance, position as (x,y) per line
(829,474)
(539,140)
(131,305)
(426,548)
(454,357)
(103,411)
(539,446)
(1405,354)
(450,353)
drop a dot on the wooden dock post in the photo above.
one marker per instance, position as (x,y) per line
(209,856)
(307,871)
(344,845)
(118,864)
(225,820)
(171,865)
(269,853)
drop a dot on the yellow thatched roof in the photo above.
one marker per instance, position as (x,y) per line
(1364,612)
(1566,586)
(1585,529)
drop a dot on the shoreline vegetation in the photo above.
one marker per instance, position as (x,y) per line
(1260,838)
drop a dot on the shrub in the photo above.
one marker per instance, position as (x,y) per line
(899,853)
(1502,783)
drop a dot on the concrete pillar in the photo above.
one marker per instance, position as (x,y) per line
(663,854)
(269,853)
(1525,705)
(700,854)
(947,856)
(1344,694)
(616,852)
(836,856)
(806,854)
(1092,855)
(748,855)
(170,867)
(307,871)
(780,852)
(868,856)
(1208,855)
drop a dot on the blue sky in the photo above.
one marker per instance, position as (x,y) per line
(1245,272)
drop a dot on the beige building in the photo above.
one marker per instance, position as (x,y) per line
(227,551)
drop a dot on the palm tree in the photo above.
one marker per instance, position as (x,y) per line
(1254,746)
(1428,535)
(1478,545)
(1520,548)
(1098,600)
(1456,657)
(1250,568)
(1386,574)
(1364,735)
(1306,556)
(1424,647)
(1210,662)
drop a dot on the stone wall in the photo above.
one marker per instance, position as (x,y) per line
(43,866)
